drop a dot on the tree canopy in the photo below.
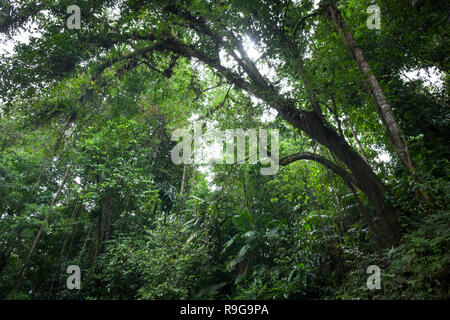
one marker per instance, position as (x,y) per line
(87,179)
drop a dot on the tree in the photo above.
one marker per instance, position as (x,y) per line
(89,180)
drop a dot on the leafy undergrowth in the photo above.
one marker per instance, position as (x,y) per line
(418,269)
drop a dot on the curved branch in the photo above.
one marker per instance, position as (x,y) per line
(349,180)
(344,174)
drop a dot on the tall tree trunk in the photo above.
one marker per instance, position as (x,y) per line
(183,180)
(379,241)
(374,232)
(382,105)
(39,234)
(107,211)
(300,69)
(98,239)
(61,253)
(366,180)
(387,232)
(314,126)
(361,149)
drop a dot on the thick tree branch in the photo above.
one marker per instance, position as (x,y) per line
(347,176)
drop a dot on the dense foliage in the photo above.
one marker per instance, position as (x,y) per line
(87,179)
